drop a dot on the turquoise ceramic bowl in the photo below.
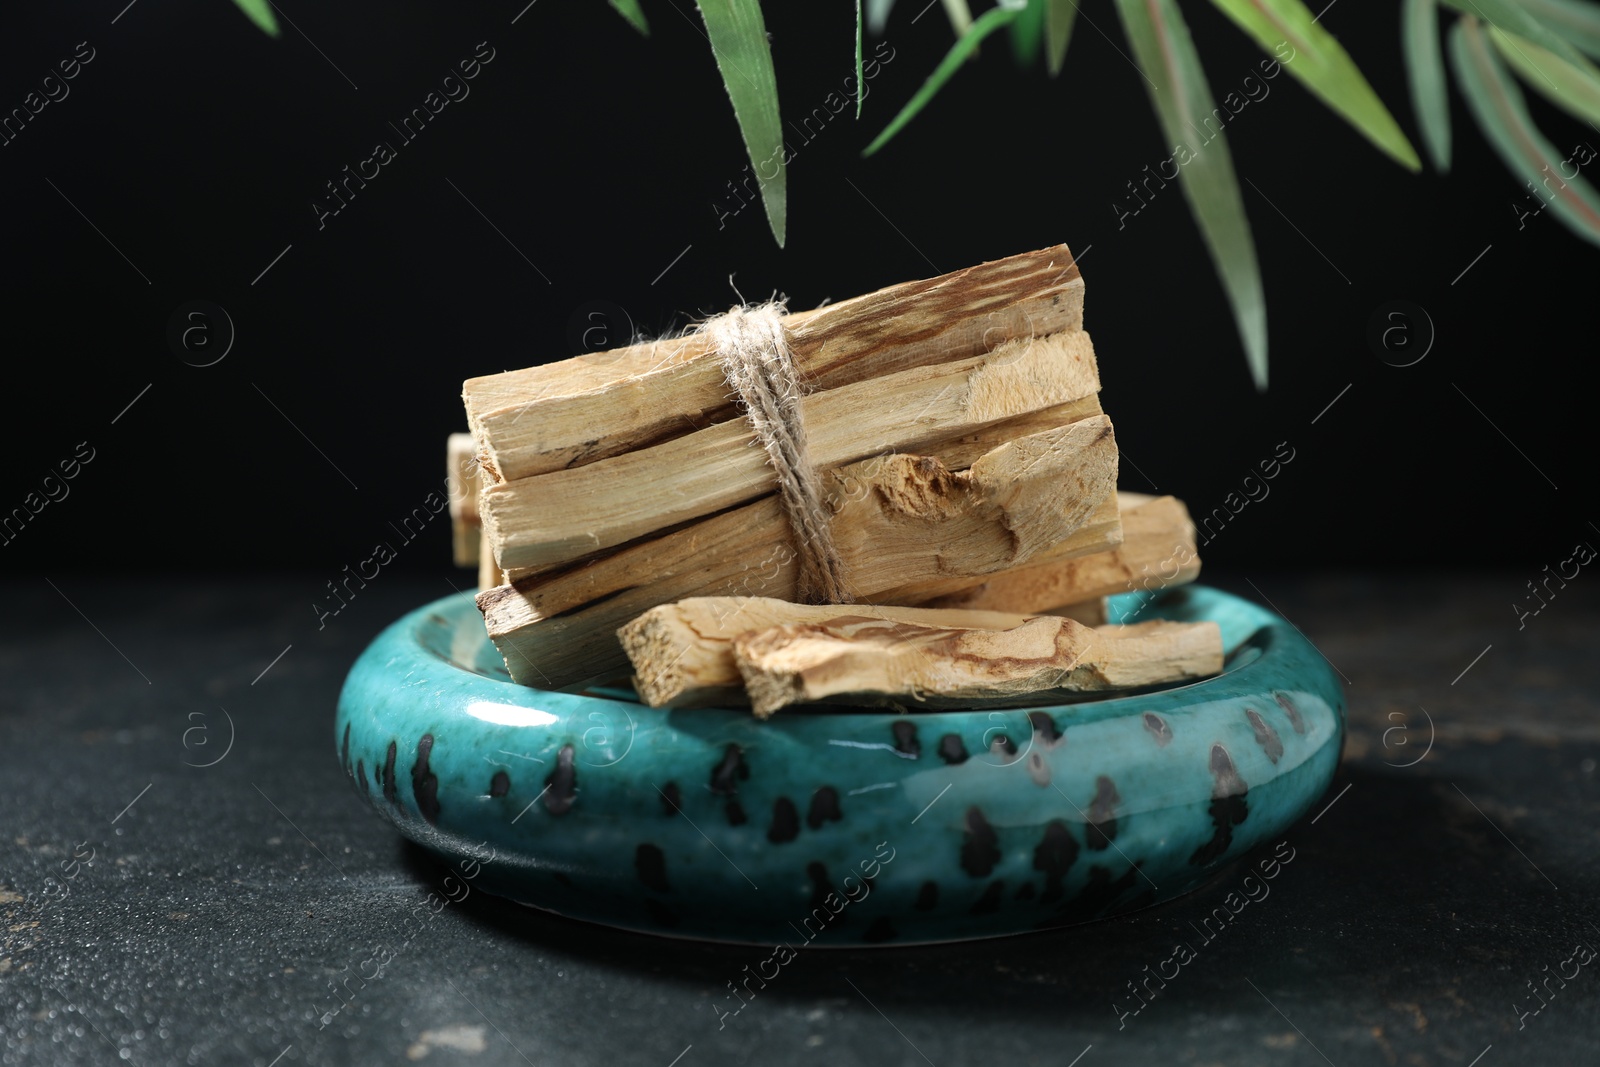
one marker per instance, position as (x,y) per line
(844,827)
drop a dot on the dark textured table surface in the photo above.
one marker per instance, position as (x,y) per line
(160,910)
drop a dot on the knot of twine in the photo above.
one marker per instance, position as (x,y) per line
(753,348)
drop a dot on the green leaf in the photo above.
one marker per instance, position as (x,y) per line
(982,27)
(1027,33)
(1430,96)
(1323,66)
(878,15)
(1059,15)
(1573,88)
(739,41)
(1177,86)
(630,10)
(1497,104)
(260,13)
(1513,17)
(861,81)
(1574,20)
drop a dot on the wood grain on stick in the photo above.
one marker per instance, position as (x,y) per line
(898,521)
(577,411)
(870,660)
(563,515)
(705,649)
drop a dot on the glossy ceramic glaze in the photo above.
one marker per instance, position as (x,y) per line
(843,827)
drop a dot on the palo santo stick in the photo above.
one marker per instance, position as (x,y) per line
(1157,550)
(1017,501)
(566,514)
(896,520)
(603,404)
(461,471)
(881,661)
(697,651)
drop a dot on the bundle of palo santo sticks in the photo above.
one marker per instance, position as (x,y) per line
(907,498)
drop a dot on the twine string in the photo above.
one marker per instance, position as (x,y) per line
(753,348)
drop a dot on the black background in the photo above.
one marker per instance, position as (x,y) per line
(196,144)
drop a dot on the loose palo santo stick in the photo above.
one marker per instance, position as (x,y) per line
(580,410)
(563,515)
(1157,550)
(700,650)
(882,661)
(896,520)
